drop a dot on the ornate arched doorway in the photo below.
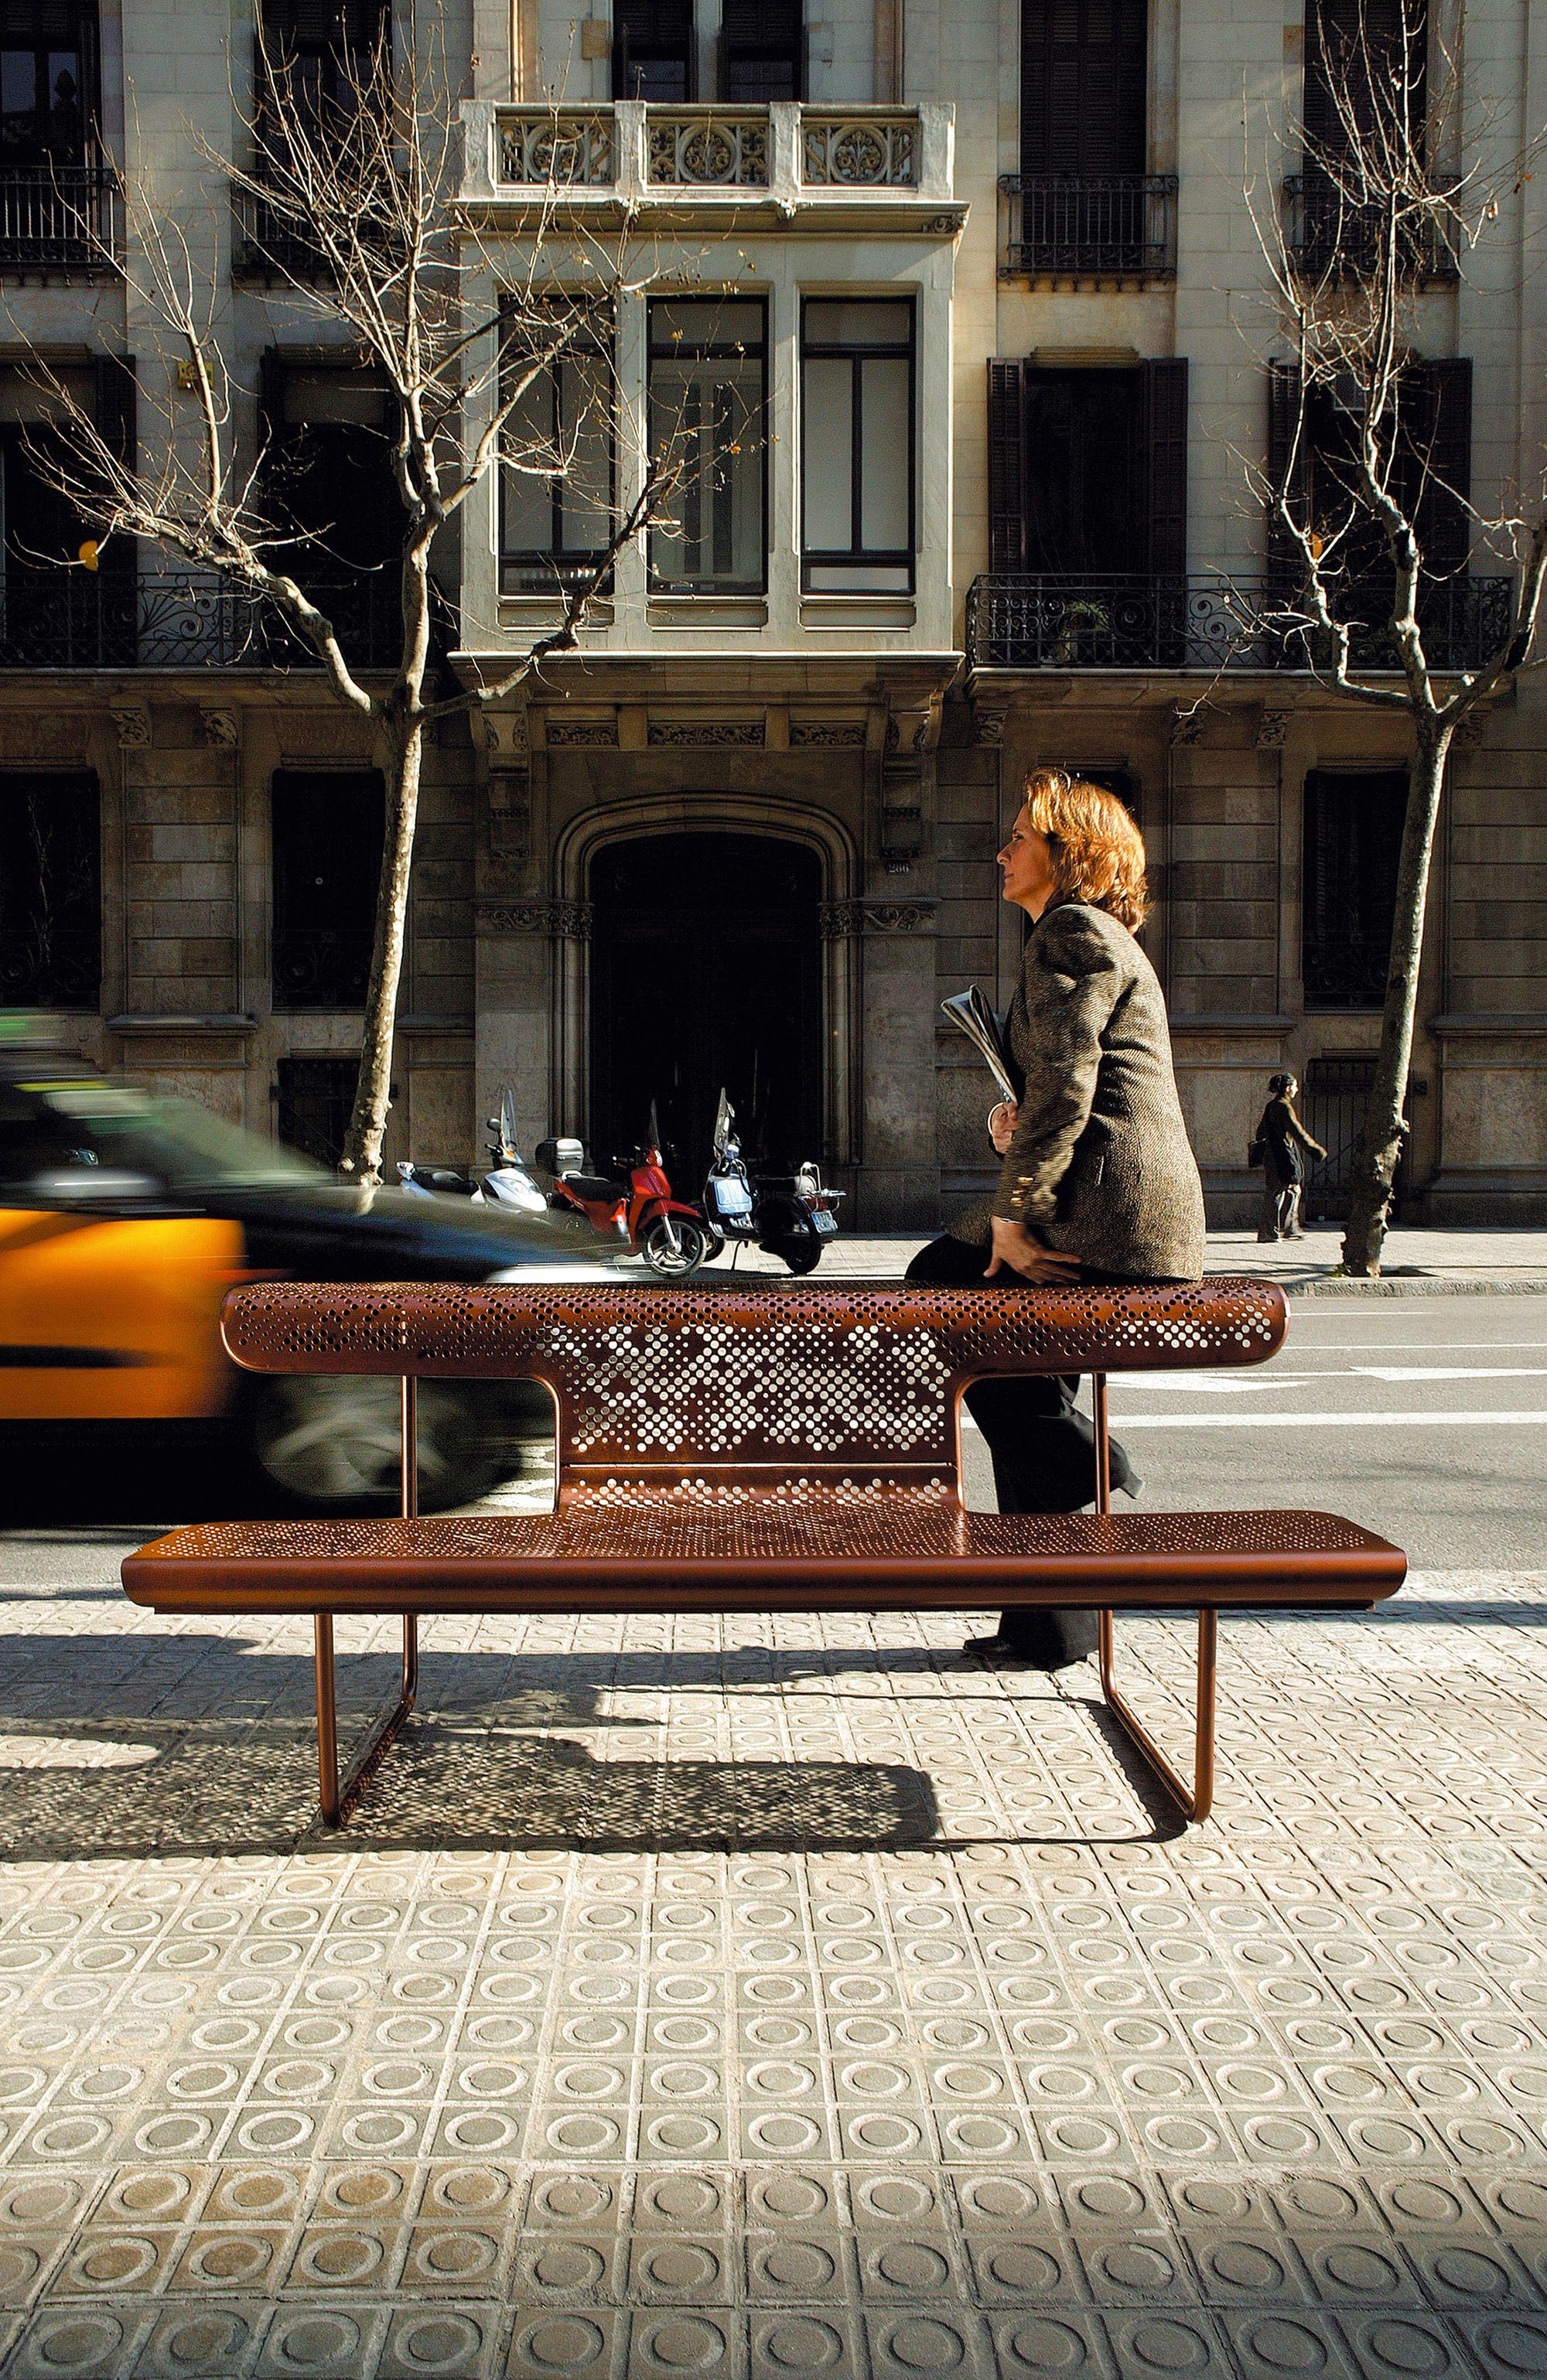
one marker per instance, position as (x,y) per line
(707,971)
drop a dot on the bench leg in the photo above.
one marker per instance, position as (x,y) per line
(1196,1800)
(339,1799)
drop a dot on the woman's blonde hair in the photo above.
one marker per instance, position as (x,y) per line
(1098,852)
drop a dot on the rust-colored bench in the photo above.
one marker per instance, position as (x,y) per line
(767,1450)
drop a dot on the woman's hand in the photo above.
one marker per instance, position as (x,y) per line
(1003,1120)
(1024,1253)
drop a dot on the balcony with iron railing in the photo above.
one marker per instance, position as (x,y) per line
(1209,621)
(867,162)
(1329,234)
(61,218)
(67,620)
(1089,228)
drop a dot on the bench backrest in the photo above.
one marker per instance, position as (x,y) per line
(690,1389)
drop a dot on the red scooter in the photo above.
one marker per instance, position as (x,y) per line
(672,1237)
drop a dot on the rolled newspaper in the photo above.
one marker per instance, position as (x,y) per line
(971,1015)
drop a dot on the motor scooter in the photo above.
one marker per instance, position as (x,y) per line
(422,1181)
(790,1215)
(672,1236)
(507,1182)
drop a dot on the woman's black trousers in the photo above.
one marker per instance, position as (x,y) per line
(1043,1450)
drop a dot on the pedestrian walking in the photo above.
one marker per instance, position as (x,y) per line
(1098,1182)
(1281,1138)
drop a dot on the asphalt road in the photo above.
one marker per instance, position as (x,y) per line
(1424,1417)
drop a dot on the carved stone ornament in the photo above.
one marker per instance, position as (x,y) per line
(846,734)
(1273,731)
(570,920)
(1187,725)
(132,724)
(944,227)
(1471,729)
(706,731)
(990,727)
(221,730)
(838,920)
(581,733)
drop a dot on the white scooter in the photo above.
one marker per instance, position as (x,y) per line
(505,1184)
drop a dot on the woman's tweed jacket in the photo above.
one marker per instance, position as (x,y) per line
(1100,1166)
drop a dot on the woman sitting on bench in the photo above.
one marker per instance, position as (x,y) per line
(1099,1181)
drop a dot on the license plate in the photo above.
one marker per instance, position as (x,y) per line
(824,1224)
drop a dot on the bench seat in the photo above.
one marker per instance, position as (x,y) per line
(769,1448)
(826,1549)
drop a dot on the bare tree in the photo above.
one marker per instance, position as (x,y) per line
(350,196)
(1372,528)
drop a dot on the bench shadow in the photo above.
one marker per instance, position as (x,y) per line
(483,1764)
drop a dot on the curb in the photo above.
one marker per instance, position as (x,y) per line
(1436,1285)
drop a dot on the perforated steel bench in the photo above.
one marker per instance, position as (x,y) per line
(767,1450)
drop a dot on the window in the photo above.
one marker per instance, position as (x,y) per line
(1083,71)
(50,890)
(557,486)
(1430,476)
(762,51)
(1088,470)
(52,617)
(326,50)
(653,49)
(316,1095)
(708,391)
(857,466)
(327,836)
(48,79)
(327,475)
(1353,841)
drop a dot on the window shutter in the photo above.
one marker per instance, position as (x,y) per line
(271,400)
(1006,465)
(1284,566)
(1083,82)
(1166,463)
(1443,431)
(117,408)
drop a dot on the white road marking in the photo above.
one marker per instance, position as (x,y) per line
(1450,1372)
(1123,1421)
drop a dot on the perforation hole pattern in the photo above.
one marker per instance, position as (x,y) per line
(676,1377)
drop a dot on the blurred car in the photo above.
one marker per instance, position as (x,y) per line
(125,1216)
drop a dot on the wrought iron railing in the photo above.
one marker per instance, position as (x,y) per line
(58,619)
(1143,620)
(320,966)
(863,151)
(1100,227)
(68,217)
(1327,233)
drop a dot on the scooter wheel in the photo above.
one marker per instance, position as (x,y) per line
(674,1245)
(801,1256)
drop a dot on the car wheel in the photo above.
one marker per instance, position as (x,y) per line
(332,1443)
(674,1245)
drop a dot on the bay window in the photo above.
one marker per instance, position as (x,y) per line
(708,396)
(856,449)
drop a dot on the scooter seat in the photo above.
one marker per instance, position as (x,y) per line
(592,1186)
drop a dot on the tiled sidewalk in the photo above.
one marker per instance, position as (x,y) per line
(773,1998)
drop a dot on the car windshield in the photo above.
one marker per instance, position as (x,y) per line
(51,1128)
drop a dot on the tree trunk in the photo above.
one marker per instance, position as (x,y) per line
(1384,1128)
(362,1147)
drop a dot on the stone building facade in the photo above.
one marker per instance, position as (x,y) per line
(978,407)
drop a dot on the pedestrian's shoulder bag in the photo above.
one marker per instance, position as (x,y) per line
(1257,1151)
